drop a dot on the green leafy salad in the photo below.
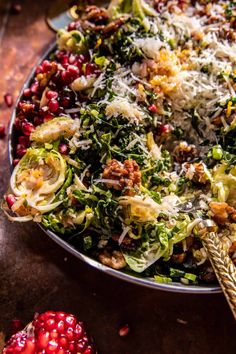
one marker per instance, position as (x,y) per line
(126,137)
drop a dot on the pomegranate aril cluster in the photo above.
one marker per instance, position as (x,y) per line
(54,76)
(58,332)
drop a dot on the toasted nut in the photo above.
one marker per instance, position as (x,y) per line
(115,259)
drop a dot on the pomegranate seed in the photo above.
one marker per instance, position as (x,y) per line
(66,78)
(47,66)
(15,162)
(43,339)
(164,129)
(24,140)
(71,347)
(73,70)
(38,121)
(153,108)
(60,315)
(71,26)
(65,61)
(20,150)
(69,333)
(27,92)
(16,325)
(63,342)
(65,101)
(2,130)
(39,69)
(90,68)
(63,149)
(34,87)
(8,99)
(48,117)
(72,59)
(88,350)
(124,330)
(54,334)
(51,347)
(70,320)
(81,58)
(15,9)
(10,199)
(50,324)
(17,123)
(51,94)
(80,347)
(27,128)
(78,328)
(53,105)
(61,351)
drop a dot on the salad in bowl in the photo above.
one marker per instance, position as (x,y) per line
(126,137)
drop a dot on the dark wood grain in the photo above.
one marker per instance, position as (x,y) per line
(36,274)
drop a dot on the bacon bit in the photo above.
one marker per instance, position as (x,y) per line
(124,330)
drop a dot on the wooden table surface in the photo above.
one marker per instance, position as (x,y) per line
(36,274)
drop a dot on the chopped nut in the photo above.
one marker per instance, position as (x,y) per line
(222,212)
(185,152)
(95,14)
(200,174)
(115,259)
(125,176)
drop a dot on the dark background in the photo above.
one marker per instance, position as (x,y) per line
(36,274)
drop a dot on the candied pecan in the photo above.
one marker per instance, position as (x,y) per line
(222,212)
(125,176)
(106,29)
(114,25)
(114,259)
(185,152)
(95,14)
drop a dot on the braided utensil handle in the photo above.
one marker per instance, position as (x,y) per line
(223,266)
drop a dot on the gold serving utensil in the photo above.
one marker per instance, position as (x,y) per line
(61,13)
(223,266)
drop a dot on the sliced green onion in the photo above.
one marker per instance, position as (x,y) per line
(176,273)
(190,276)
(162,279)
(217,152)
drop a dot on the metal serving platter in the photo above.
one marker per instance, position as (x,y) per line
(147,282)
